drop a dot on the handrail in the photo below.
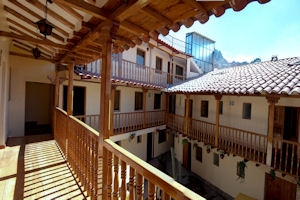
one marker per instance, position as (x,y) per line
(168,185)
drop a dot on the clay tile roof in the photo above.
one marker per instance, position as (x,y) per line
(277,77)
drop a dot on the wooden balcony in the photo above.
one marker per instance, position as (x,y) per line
(80,146)
(249,145)
(128,122)
(124,70)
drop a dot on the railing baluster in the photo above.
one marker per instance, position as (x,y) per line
(131,183)
(109,175)
(139,186)
(151,190)
(116,178)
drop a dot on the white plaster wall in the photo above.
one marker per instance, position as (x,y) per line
(162,147)
(138,149)
(22,70)
(4,86)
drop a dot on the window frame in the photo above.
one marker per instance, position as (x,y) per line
(216,159)
(141,50)
(135,102)
(160,132)
(198,150)
(201,111)
(244,111)
(154,106)
(139,139)
(119,108)
(221,108)
(159,71)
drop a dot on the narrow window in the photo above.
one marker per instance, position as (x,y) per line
(172,103)
(221,108)
(138,104)
(139,139)
(140,57)
(179,72)
(158,65)
(216,159)
(162,136)
(247,111)
(199,154)
(157,100)
(204,108)
(117,101)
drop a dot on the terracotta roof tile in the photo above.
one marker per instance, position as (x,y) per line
(279,77)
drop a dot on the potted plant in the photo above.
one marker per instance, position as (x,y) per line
(241,169)
(184,141)
(208,148)
(131,137)
(272,174)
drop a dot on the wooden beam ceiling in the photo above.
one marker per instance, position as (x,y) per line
(28,56)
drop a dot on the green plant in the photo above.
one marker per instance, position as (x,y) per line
(208,148)
(272,174)
(131,137)
(241,169)
(184,141)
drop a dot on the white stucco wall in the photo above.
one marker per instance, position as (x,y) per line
(4,87)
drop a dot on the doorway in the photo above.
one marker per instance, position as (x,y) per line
(149,146)
(78,100)
(187,156)
(279,189)
(39,102)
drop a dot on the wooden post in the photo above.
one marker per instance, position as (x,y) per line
(105,107)
(218,98)
(144,107)
(150,64)
(70,90)
(171,69)
(112,99)
(186,120)
(272,100)
(120,55)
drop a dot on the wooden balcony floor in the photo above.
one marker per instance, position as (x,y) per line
(34,168)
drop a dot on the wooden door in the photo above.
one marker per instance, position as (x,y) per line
(185,155)
(279,122)
(279,189)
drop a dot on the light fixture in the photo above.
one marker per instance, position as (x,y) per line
(36,52)
(44,26)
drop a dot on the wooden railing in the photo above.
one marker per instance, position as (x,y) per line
(131,71)
(176,122)
(286,156)
(79,144)
(139,173)
(128,122)
(249,145)
(202,131)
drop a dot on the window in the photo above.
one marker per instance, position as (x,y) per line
(179,72)
(204,108)
(172,103)
(221,108)
(138,104)
(118,143)
(117,101)
(140,57)
(199,154)
(158,65)
(157,100)
(139,139)
(162,136)
(216,159)
(247,111)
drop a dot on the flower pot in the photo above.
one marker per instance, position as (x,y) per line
(222,156)
(208,150)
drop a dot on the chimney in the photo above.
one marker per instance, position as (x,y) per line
(274,58)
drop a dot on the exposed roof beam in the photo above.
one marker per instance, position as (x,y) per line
(153,13)
(25,19)
(50,12)
(29,49)
(21,6)
(31,40)
(125,11)
(70,10)
(196,5)
(39,46)
(27,56)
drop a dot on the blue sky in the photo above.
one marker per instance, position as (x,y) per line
(258,31)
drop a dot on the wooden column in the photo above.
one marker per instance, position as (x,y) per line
(150,64)
(144,106)
(186,120)
(112,99)
(272,100)
(70,90)
(218,98)
(171,69)
(105,105)
(120,58)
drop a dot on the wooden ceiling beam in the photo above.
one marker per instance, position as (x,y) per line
(22,7)
(71,11)
(51,53)
(50,12)
(31,40)
(126,40)
(28,56)
(24,28)
(28,49)
(195,4)
(127,10)
(156,15)
(25,19)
